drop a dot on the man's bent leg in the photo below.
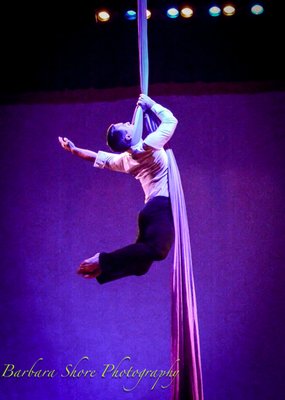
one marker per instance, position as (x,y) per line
(156,235)
(134,259)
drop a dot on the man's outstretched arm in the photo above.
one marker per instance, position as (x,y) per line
(68,145)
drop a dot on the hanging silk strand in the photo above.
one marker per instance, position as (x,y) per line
(185,344)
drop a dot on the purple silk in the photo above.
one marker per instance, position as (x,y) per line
(185,329)
(143,65)
(185,349)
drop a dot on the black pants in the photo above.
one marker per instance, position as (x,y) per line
(155,238)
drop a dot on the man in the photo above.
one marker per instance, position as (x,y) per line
(147,161)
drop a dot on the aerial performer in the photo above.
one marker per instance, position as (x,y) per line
(162,221)
(146,161)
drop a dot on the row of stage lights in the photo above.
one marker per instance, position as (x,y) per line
(185,12)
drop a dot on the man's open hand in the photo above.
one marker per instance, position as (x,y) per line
(66,144)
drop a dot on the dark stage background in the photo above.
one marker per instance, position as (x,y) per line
(57,45)
(58,210)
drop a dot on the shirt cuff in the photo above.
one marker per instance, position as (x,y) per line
(100,160)
(157,108)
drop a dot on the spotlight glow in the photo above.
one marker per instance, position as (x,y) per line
(257,9)
(215,11)
(172,13)
(130,15)
(229,10)
(186,12)
(102,16)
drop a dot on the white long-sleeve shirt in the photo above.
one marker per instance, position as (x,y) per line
(149,165)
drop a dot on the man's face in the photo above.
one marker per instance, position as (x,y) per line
(127,127)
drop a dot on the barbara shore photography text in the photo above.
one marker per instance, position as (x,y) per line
(85,368)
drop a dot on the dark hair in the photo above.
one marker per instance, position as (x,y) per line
(116,139)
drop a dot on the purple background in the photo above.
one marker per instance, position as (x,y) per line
(58,210)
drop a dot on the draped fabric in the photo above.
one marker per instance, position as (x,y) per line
(185,344)
(185,330)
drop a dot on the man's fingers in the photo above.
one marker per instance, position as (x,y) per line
(62,141)
(65,142)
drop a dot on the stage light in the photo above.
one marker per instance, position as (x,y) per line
(186,12)
(257,9)
(131,15)
(215,11)
(172,13)
(102,16)
(229,10)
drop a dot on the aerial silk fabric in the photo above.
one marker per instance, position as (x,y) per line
(185,344)
(143,65)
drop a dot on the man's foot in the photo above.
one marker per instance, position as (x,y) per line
(90,268)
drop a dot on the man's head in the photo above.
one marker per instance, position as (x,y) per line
(119,136)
